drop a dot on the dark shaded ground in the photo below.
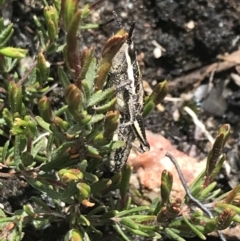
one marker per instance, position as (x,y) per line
(216,31)
(216,27)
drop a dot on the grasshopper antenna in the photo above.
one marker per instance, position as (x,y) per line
(130,32)
(101,25)
(117,19)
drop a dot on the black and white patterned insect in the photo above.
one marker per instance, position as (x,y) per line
(125,75)
(119,156)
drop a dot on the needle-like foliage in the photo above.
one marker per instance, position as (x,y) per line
(57,151)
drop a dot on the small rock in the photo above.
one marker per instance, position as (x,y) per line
(149,166)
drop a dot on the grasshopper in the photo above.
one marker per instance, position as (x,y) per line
(125,76)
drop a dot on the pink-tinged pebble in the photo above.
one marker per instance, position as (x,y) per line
(149,166)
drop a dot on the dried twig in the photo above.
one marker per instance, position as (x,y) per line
(196,77)
(193,199)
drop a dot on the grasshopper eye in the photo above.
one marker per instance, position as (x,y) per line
(132,52)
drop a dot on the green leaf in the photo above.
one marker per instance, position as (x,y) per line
(197,184)
(44,68)
(129,223)
(75,130)
(25,127)
(44,107)
(210,224)
(69,8)
(42,187)
(154,206)
(100,96)
(119,230)
(148,107)
(139,232)
(102,184)
(15,97)
(74,98)
(217,167)
(86,59)
(2,214)
(124,185)
(90,26)
(5,151)
(86,90)
(59,160)
(74,235)
(85,11)
(99,210)
(40,145)
(133,210)
(84,221)
(63,78)
(42,123)
(90,177)
(72,47)
(91,75)
(29,210)
(57,132)
(51,20)
(197,232)
(159,92)
(114,145)
(109,214)
(206,191)
(166,186)
(11,64)
(8,117)
(236,219)
(96,118)
(92,150)
(171,233)
(105,107)
(17,157)
(13,52)
(84,191)
(69,192)
(215,157)
(27,159)
(232,195)
(6,34)
(141,218)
